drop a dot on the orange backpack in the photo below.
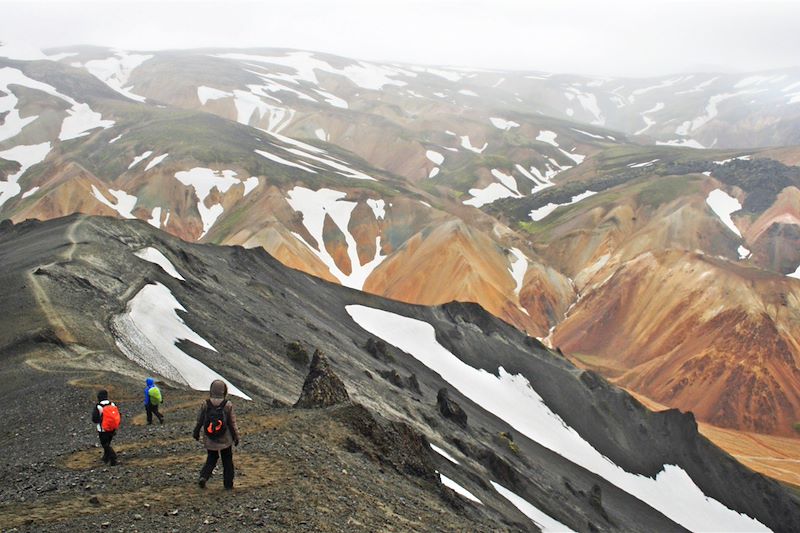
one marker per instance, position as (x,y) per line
(111,418)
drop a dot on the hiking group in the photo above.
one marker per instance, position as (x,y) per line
(216,421)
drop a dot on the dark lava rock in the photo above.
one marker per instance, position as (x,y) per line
(450,409)
(390,443)
(322,387)
(596,500)
(378,350)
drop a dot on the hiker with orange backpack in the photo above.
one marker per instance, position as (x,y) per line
(217,421)
(106,416)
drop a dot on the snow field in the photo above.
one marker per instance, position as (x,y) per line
(148,332)
(449,483)
(512,399)
(26,156)
(203,181)
(315,206)
(542,520)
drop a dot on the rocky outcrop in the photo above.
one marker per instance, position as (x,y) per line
(450,409)
(322,387)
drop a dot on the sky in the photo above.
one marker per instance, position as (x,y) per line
(611,37)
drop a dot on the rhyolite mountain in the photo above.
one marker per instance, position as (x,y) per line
(412,417)
(550,200)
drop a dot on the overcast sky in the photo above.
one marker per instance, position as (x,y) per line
(636,38)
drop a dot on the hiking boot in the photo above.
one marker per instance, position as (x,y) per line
(112,462)
(202,482)
(161,420)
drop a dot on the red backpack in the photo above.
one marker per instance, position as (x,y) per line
(110,418)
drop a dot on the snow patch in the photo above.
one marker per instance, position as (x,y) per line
(685,143)
(155,161)
(542,520)
(322,135)
(540,213)
(518,269)
(503,124)
(744,253)
(489,194)
(115,71)
(435,157)
(645,164)
(148,332)
(506,180)
(444,454)
(465,142)
(139,158)
(449,483)
(282,161)
(80,120)
(155,218)
(203,181)
(26,156)
(547,136)
(378,208)
(29,192)
(723,206)
(124,205)
(315,206)
(204,94)
(154,255)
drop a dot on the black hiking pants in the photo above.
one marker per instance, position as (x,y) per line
(227,465)
(153,410)
(109,455)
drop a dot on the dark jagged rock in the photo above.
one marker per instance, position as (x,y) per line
(392,377)
(450,409)
(391,443)
(413,384)
(378,350)
(322,387)
(596,500)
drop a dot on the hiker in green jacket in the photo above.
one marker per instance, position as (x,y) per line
(152,399)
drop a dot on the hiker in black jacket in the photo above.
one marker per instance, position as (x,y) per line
(106,415)
(217,421)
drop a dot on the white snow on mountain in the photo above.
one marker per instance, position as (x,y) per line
(115,71)
(322,135)
(518,268)
(644,164)
(26,194)
(80,120)
(21,52)
(315,206)
(26,156)
(154,255)
(648,122)
(542,520)
(204,94)
(449,483)
(305,64)
(513,399)
(203,181)
(489,194)
(723,206)
(435,157)
(282,161)
(685,143)
(155,161)
(506,180)
(155,218)
(148,333)
(124,202)
(444,454)
(547,136)
(503,124)
(542,212)
(465,142)
(378,208)
(250,184)
(139,158)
